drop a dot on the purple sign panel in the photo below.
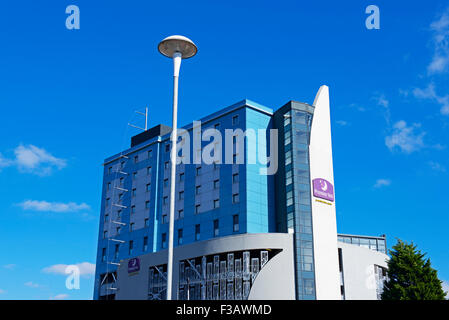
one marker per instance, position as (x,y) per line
(323,189)
(133,265)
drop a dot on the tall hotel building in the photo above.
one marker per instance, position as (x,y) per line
(239,233)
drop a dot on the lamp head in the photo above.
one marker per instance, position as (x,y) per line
(170,45)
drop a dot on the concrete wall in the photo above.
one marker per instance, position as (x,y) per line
(358,271)
(275,280)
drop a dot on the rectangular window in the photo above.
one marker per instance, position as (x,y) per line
(181,195)
(147,204)
(180,214)
(131,247)
(235,222)
(109,186)
(136,159)
(134,175)
(198,171)
(216,203)
(165,200)
(167,147)
(119,214)
(164,241)
(105,234)
(116,251)
(216,184)
(147,222)
(288,178)
(133,209)
(148,187)
(148,171)
(131,227)
(197,209)
(134,192)
(120,197)
(235,178)
(110,170)
(179,236)
(164,218)
(121,181)
(103,255)
(122,164)
(217,126)
(216,230)
(150,154)
(165,183)
(145,243)
(235,120)
(197,232)
(181,177)
(198,190)
(235,198)
(108,201)
(118,229)
(106,217)
(166,165)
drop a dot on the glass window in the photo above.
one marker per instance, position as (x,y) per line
(164,241)
(118,229)
(110,170)
(131,247)
(148,187)
(198,171)
(197,232)
(109,186)
(180,214)
(147,222)
(216,229)
(145,243)
(235,198)
(235,178)
(134,175)
(198,190)
(235,222)
(105,234)
(131,227)
(166,165)
(167,147)
(134,192)
(235,120)
(197,209)
(216,203)
(165,200)
(147,204)
(106,217)
(164,218)
(181,177)
(179,236)
(133,209)
(165,183)
(103,254)
(181,195)
(116,251)
(148,171)
(150,154)
(216,184)
(136,159)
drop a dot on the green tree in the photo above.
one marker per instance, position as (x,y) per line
(410,276)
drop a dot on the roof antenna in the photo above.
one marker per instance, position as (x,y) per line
(146,120)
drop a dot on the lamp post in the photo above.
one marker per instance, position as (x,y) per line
(177,48)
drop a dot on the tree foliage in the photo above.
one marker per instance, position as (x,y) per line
(410,275)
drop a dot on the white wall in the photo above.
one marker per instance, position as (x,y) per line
(323,215)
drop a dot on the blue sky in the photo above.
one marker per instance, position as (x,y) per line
(67,95)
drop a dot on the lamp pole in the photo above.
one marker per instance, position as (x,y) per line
(177,48)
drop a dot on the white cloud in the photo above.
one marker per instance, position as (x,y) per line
(445,286)
(405,138)
(382,101)
(437,166)
(61,296)
(342,123)
(10,266)
(31,159)
(429,93)
(382,183)
(85,268)
(440,41)
(32,284)
(36,205)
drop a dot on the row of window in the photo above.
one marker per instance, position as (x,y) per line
(235,221)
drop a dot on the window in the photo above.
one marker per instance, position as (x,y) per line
(286,120)
(109,186)
(103,255)
(179,236)
(120,196)
(197,209)
(181,177)
(118,229)
(148,187)
(134,175)
(235,178)
(234,158)
(181,195)
(134,192)
(136,159)
(288,158)
(198,190)
(131,247)
(180,214)
(110,170)
(165,183)
(197,232)
(289,198)
(150,154)
(108,200)
(287,138)
(235,198)
(235,120)
(133,209)
(216,166)
(164,241)
(216,203)
(148,171)
(164,218)
(116,251)
(119,214)
(166,165)
(288,178)
(105,235)
(198,171)
(147,204)
(167,147)
(147,222)
(216,228)
(235,222)
(131,227)
(165,200)
(216,184)
(106,217)
(121,181)
(122,164)
(217,126)
(145,243)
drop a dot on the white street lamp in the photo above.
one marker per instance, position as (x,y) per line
(177,48)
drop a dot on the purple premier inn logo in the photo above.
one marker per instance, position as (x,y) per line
(323,189)
(133,265)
